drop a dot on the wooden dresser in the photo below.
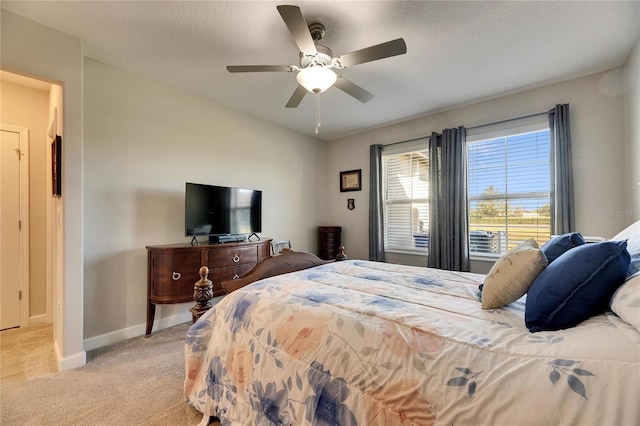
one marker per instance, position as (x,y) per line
(172,269)
(329,239)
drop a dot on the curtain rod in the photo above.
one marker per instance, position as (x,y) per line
(474,127)
(508,120)
(408,140)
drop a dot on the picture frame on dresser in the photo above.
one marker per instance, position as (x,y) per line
(351,180)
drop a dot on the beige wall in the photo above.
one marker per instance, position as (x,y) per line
(598,149)
(143,141)
(632,131)
(27,107)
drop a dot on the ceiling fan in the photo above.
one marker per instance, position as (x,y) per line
(317,63)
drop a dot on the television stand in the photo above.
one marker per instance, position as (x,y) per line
(172,269)
(251,235)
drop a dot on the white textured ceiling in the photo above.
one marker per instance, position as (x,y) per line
(457,52)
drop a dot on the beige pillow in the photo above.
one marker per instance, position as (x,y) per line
(512,275)
(625,302)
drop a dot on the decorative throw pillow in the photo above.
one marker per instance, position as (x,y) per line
(577,286)
(632,235)
(560,244)
(512,275)
(625,302)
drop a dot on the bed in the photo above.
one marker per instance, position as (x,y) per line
(367,343)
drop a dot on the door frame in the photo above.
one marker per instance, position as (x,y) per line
(24,219)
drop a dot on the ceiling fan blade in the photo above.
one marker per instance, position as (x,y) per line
(259,68)
(297,96)
(373,53)
(292,17)
(353,89)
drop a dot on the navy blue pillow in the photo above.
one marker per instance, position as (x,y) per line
(577,286)
(560,244)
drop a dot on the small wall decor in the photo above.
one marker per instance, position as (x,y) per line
(351,204)
(351,180)
(56,166)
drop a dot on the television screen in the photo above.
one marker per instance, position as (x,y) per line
(221,210)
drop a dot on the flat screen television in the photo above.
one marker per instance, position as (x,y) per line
(221,212)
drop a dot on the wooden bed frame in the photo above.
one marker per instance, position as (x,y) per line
(284,262)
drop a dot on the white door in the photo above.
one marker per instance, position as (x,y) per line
(10,229)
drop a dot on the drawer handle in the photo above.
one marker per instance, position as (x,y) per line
(236,259)
(176,276)
(235,277)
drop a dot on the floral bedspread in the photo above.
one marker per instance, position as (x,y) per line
(366,343)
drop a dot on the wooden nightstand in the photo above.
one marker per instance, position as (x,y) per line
(329,239)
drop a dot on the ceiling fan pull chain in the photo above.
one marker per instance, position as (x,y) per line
(317,112)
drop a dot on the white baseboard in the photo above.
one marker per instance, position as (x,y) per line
(38,319)
(133,331)
(70,362)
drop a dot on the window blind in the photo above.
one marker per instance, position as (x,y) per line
(406,200)
(509,191)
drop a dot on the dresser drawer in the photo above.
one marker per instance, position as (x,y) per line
(231,257)
(330,238)
(229,274)
(173,276)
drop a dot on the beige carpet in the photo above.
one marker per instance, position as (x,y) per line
(26,353)
(136,382)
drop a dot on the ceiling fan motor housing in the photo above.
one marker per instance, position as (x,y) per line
(323,57)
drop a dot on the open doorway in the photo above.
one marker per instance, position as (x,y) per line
(29,115)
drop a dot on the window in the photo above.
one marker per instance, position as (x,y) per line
(405,173)
(509,188)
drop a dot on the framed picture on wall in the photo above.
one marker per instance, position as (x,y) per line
(56,166)
(351,180)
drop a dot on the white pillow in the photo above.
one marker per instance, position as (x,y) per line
(632,235)
(512,275)
(625,302)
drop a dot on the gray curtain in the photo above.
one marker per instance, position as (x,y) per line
(562,203)
(448,208)
(376,219)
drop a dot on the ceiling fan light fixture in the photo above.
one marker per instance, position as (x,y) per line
(316,78)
